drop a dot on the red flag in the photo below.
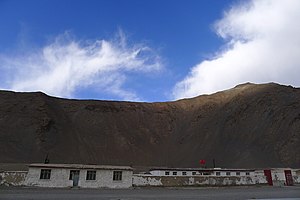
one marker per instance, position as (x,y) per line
(202,162)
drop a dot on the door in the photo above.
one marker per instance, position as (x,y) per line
(75,180)
(74,176)
(288,177)
(268,175)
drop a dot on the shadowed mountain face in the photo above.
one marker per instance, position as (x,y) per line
(247,126)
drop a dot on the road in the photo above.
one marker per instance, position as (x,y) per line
(190,193)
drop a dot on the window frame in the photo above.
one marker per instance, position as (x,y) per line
(167,173)
(184,173)
(237,173)
(117,175)
(228,173)
(247,173)
(194,173)
(174,173)
(45,174)
(91,175)
(218,173)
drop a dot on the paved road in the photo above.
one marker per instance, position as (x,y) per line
(152,193)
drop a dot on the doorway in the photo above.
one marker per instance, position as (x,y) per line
(268,175)
(288,177)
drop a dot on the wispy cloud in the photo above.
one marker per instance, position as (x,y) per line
(66,64)
(263,45)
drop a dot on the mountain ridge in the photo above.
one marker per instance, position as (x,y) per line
(250,125)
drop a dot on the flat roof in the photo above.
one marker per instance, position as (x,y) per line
(198,169)
(81,166)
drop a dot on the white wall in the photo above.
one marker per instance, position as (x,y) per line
(179,173)
(233,173)
(104,178)
(60,178)
(278,177)
(189,173)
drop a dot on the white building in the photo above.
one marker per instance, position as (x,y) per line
(200,172)
(170,177)
(77,175)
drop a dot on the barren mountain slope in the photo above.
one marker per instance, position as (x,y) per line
(247,126)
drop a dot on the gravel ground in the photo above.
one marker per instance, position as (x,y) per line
(265,192)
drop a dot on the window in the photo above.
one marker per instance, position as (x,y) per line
(72,173)
(227,173)
(45,174)
(237,173)
(183,173)
(174,173)
(167,173)
(247,173)
(117,176)
(218,173)
(91,175)
(193,173)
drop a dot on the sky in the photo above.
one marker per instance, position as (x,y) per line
(146,50)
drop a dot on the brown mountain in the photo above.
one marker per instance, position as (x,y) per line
(247,126)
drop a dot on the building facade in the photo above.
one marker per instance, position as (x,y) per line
(75,175)
(197,177)
(201,172)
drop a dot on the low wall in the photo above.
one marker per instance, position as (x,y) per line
(12,178)
(296,179)
(169,181)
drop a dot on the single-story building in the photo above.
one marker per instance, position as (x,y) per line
(200,172)
(170,177)
(78,175)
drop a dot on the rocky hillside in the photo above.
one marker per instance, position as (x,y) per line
(247,126)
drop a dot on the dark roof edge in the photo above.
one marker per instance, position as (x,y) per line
(81,166)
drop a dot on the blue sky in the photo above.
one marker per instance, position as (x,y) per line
(143,50)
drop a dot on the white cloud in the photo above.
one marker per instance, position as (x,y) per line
(263,45)
(66,64)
